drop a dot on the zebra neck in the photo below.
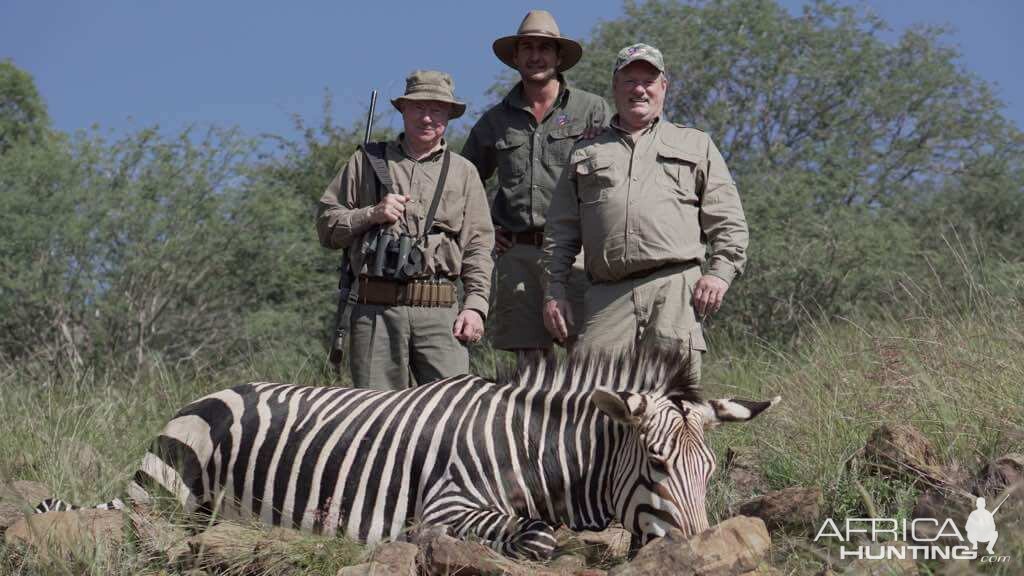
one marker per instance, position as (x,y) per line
(569,461)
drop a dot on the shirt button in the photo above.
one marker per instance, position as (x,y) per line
(636,179)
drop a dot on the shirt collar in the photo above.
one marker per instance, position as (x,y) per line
(399,147)
(651,128)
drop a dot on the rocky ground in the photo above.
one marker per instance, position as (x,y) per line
(738,545)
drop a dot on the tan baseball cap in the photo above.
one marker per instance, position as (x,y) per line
(431,85)
(539,24)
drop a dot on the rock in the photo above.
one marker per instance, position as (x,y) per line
(30,492)
(157,537)
(1000,474)
(900,450)
(84,459)
(602,547)
(735,546)
(744,473)
(447,555)
(795,507)
(764,570)
(18,498)
(398,558)
(232,545)
(365,569)
(568,563)
(888,567)
(66,533)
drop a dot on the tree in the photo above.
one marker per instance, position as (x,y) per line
(22,112)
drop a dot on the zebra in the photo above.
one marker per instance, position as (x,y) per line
(580,442)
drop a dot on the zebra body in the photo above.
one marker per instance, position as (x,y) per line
(501,462)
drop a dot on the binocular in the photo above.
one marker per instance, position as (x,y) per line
(392,256)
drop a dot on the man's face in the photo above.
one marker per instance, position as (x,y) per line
(425,121)
(537,59)
(639,93)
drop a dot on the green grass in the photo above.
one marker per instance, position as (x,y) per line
(957,376)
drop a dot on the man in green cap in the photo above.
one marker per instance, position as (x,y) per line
(650,202)
(424,214)
(527,138)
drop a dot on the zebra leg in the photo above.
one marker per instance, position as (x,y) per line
(513,536)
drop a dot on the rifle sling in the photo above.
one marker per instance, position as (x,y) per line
(376,154)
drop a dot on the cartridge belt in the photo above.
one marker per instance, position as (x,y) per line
(533,237)
(429,292)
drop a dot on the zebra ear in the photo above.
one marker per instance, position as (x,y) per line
(715,412)
(625,407)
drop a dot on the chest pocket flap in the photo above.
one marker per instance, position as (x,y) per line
(586,165)
(511,140)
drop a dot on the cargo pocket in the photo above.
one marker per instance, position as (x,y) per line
(594,176)
(560,143)
(513,156)
(679,171)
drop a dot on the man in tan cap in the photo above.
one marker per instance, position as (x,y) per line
(527,138)
(416,217)
(650,202)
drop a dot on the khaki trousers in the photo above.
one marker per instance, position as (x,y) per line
(656,310)
(517,309)
(398,347)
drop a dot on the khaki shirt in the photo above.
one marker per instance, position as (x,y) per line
(529,157)
(463,236)
(634,207)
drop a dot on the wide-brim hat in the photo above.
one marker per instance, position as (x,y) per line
(431,85)
(539,24)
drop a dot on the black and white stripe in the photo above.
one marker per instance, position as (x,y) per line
(58,505)
(581,444)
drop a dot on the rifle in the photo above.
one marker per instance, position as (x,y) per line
(348,288)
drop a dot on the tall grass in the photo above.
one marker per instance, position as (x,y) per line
(945,359)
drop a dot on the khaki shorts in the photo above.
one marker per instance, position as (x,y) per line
(517,307)
(655,310)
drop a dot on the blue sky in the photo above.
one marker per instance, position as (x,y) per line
(127,64)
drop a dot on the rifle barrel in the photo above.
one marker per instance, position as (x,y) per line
(369,116)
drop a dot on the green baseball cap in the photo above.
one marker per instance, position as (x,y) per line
(637,52)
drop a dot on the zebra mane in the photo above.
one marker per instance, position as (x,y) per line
(646,369)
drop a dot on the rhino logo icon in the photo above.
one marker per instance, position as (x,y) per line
(981,526)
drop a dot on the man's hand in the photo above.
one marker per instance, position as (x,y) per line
(708,295)
(389,210)
(592,131)
(503,240)
(558,318)
(469,326)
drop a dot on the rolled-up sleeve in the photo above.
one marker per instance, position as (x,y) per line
(477,241)
(561,235)
(339,219)
(722,220)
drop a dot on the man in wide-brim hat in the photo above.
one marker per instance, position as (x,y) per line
(526,139)
(407,327)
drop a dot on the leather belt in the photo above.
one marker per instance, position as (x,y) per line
(431,293)
(670,268)
(533,237)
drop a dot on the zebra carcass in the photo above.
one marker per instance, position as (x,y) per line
(581,443)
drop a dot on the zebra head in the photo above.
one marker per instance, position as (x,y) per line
(665,463)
